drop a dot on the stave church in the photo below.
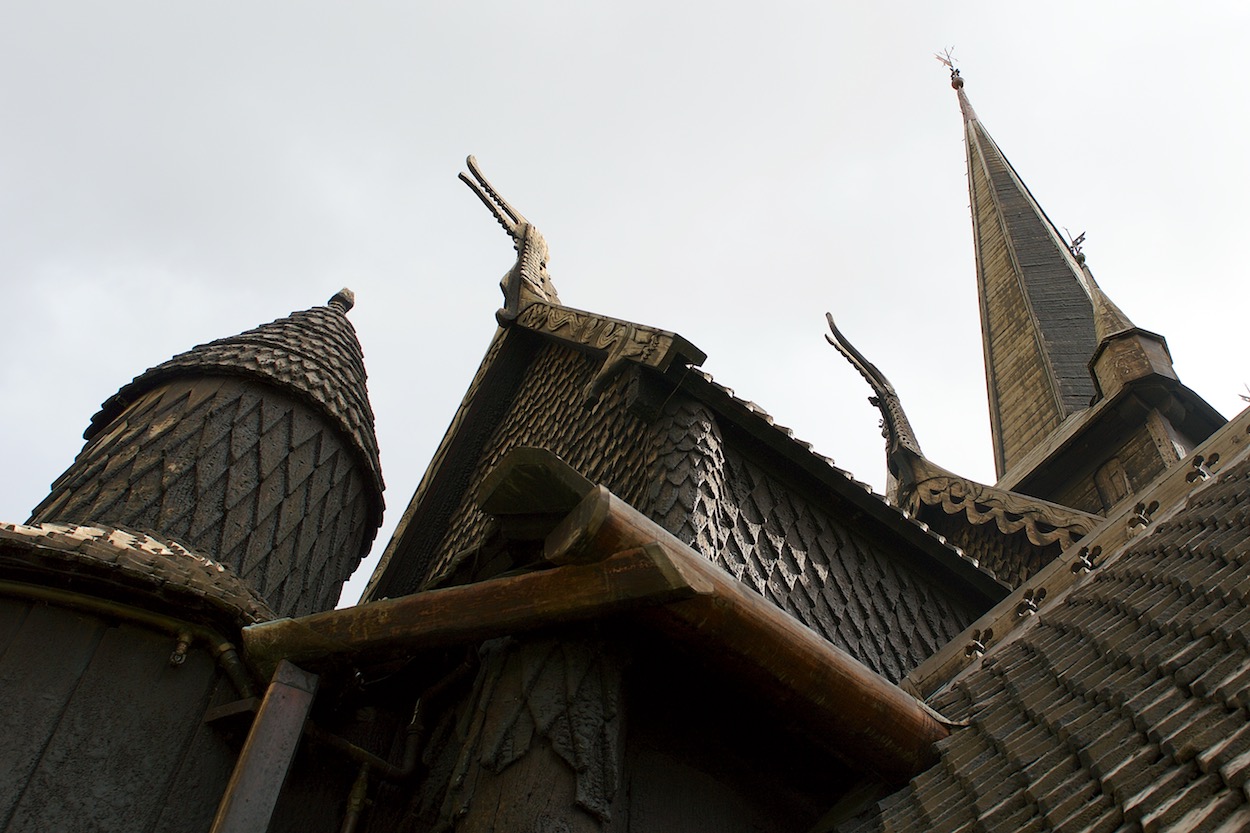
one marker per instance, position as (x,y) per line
(625,600)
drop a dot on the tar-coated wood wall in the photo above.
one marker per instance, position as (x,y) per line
(99,732)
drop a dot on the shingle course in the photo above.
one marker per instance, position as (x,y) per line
(1122,706)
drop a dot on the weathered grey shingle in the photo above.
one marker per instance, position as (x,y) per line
(1126,704)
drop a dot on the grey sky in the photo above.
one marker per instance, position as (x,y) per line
(173,172)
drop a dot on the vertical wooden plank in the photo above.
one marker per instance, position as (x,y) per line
(119,739)
(200,781)
(670,796)
(13,613)
(39,669)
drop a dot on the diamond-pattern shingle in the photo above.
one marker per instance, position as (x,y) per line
(861,592)
(294,534)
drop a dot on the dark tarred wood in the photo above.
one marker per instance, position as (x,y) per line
(542,750)
(12,615)
(590,530)
(393,628)
(670,796)
(245,474)
(39,668)
(119,736)
(851,706)
(202,775)
(842,701)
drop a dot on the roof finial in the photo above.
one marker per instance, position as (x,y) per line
(1074,245)
(1108,319)
(527,280)
(947,57)
(895,427)
(343,300)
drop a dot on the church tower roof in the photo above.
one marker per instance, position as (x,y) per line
(313,354)
(256,451)
(1037,319)
(1085,406)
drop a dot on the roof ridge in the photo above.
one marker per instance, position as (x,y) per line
(1168,494)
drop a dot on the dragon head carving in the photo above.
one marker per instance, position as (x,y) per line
(902,447)
(527,280)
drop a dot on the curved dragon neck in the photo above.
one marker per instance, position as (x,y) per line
(895,426)
(530,270)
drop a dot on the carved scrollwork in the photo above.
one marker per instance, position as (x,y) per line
(564,692)
(1043,523)
(621,340)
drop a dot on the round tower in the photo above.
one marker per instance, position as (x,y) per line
(257,451)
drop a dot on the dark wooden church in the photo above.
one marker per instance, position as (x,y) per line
(623,599)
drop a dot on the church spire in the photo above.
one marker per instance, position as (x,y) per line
(1085,407)
(1036,316)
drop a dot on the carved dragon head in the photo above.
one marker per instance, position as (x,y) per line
(527,280)
(901,442)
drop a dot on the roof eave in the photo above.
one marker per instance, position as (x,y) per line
(609,558)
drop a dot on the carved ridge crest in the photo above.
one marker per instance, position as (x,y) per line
(621,340)
(1042,522)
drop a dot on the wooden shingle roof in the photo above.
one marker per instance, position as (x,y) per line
(1123,702)
(1036,317)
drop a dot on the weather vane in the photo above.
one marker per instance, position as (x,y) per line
(1075,243)
(947,57)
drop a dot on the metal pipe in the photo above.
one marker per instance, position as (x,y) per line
(222,649)
(356,800)
(414,734)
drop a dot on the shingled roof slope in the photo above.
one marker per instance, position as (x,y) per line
(1008,534)
(715,470)
(311,353)
(1125,704)
(1036,317)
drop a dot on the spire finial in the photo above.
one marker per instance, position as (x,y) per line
(1108,319)
(947,57)
(1074,245)
(343,300)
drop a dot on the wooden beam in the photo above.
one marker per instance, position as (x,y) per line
(390,629)
(247,805)
(870,723)
(861,717)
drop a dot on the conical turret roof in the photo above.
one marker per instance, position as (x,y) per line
(313,354)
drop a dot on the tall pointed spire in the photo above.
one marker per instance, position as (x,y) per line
(1036,316)
(1085,407)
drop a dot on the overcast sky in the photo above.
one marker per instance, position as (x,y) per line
(174,172)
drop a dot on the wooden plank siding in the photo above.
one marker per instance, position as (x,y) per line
(1036,317)
(109,735)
